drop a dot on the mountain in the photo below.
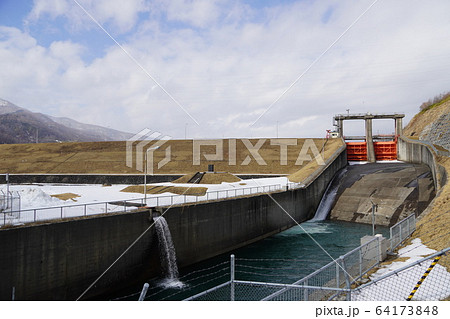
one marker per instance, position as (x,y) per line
(105,134)
(18,125)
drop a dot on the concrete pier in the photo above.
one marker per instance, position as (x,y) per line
(369,139)
(368,117)
(398,125)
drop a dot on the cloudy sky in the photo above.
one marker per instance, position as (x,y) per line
(214,67)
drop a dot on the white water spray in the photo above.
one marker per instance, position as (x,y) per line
(166,249)
(328,198)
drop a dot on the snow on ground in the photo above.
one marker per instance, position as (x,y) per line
(37,204)
(398,286)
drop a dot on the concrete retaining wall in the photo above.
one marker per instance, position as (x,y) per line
(416,152)
(58,261)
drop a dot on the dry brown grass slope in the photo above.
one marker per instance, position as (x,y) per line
(433,226)
(426,117)
(110,158)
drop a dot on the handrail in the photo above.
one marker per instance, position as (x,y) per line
(153,201)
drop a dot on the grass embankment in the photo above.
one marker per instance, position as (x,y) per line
(425,117)
(110,157)
(328,148)
(433,224)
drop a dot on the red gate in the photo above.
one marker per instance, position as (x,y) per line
(384,151)
(356,151)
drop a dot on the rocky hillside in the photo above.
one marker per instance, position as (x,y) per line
(18,125)
(432,124)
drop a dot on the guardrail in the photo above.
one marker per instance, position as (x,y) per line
(97,208)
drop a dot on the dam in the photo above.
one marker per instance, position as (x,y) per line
(58,260)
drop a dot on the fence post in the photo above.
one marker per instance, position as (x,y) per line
(347,278)
(143,292)
(13,296)
(392,238)
(360,262)
(337,273)
(61,212)
(306,291)
(380,251)
(232,277)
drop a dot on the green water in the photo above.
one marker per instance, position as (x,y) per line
(282,258)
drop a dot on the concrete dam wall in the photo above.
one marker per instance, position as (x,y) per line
(418,152)
(59,260)
(397,190)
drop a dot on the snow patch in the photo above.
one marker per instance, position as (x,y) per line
(398,287)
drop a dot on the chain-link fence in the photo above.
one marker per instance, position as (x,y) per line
(334,281)
(424,279)
(9,206)
(328,282)
(402,230)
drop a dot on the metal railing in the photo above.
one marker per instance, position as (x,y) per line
(338,116)
(98,208)
(402,230)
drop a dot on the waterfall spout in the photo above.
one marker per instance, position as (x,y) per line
(328,197)
(166,248)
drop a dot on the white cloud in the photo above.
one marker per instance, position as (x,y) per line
(123,16)
(200,13)
(227,62)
